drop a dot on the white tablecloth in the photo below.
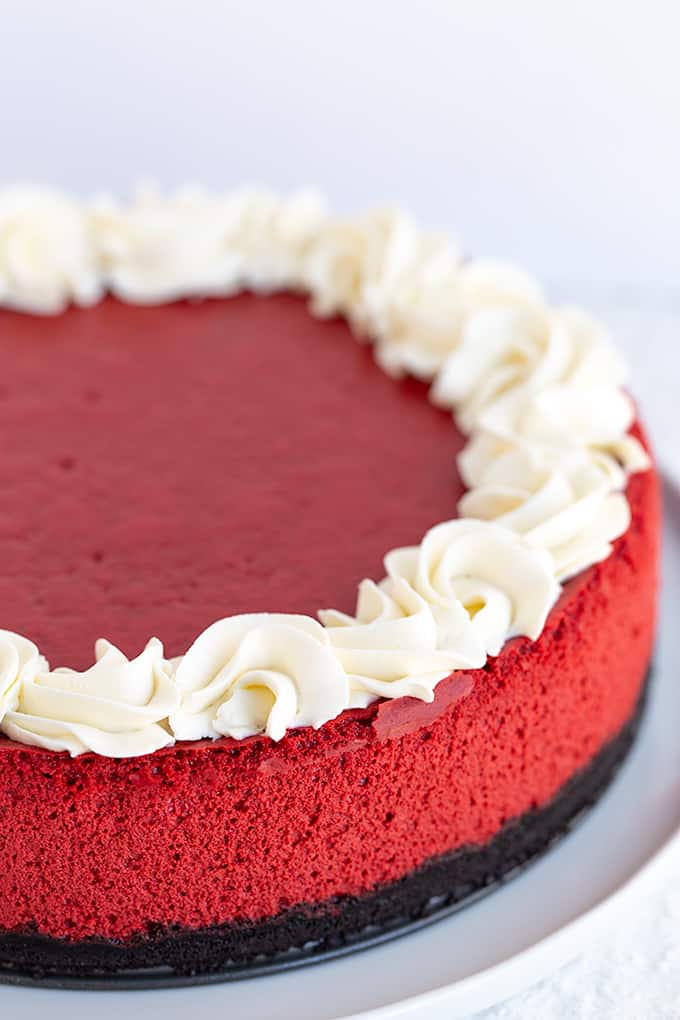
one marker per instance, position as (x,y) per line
(634,974)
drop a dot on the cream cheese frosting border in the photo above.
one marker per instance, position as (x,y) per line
(538,391)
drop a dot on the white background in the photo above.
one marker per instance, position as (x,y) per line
(543,131)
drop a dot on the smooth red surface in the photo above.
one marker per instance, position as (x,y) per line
(164,467)
(205,833)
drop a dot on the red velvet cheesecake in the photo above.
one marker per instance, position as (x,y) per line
(165,467)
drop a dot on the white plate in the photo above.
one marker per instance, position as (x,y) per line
(495,948)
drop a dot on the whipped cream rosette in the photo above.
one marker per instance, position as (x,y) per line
(116,708)
(48,257)
(258,673)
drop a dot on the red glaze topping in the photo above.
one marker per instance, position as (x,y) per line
(165,467)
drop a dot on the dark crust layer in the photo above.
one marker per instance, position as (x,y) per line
(314,932)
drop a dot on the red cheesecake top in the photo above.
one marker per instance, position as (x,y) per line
(165,467)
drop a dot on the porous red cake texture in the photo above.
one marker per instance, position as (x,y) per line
(206,833)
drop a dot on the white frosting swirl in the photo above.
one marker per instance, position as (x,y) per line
(524,357)
(274,237)
(427,312)
(565,505)
(351,260)
(394,283)
(47,255)
(116,708)
(258,673)
(159,249)
(19,659)
(569,419)
(505,587)
(390,648)
(483,458)
(406,289)
(492,283)
(195,245)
